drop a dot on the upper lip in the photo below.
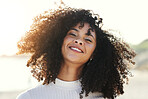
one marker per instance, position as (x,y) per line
(76,47)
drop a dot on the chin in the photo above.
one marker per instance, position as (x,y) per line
(76,60)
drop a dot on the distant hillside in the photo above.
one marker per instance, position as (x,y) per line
(143,46)
(141,58)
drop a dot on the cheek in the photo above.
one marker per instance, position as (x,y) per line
(91,48)
(67,40)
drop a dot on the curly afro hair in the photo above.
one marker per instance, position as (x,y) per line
(108,70)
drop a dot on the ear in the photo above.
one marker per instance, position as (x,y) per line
(93,54)
(91,57)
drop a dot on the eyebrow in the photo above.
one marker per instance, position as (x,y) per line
(88,33)
(74,29)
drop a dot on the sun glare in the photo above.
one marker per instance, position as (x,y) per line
(12,26)
(16,18)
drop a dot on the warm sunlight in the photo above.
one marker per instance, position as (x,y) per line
(128,17)
(12,26)
(16,17)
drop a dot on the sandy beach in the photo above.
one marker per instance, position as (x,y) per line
(136,89)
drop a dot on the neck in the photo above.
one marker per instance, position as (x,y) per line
(70,72)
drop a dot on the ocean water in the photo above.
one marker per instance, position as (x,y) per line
(14,74)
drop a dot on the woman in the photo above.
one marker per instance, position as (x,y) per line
(74,57)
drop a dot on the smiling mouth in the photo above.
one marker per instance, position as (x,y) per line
(76,49)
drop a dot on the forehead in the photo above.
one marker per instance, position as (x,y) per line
(83,25)
(85,28)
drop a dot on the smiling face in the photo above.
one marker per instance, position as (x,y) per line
(79,44)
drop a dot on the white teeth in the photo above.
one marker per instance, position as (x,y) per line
(76,49)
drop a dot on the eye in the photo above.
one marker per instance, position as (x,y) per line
(72,34)
(88,40)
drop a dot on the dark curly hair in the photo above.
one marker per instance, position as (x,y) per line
(108,70)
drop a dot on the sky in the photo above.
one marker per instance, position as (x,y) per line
(129,17)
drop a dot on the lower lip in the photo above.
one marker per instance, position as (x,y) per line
(75,50)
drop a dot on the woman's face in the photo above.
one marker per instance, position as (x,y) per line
(79,44)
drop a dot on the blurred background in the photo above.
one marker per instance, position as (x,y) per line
(128,17)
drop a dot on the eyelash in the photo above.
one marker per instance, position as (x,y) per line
(72,34)
(88,40)
(75,35)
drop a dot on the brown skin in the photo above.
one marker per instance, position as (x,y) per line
(74,59)
(105,74)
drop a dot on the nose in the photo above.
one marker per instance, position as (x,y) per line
(78,42)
